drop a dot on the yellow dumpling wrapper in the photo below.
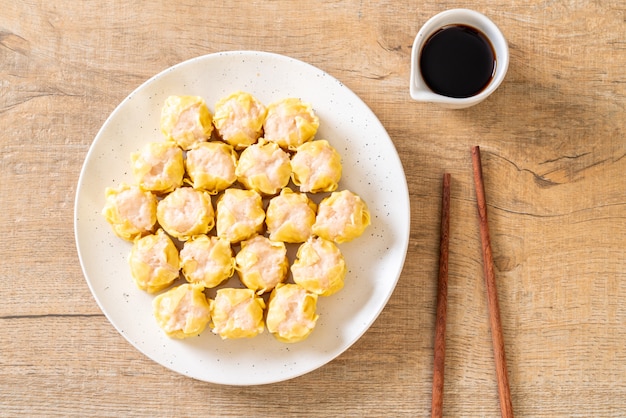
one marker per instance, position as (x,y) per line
(290,123)
(239,214)
(186,212)
(211,166)
(154,262)
(183,311)
(316,167)
(291,313)
(239,119)
(237,313)
(262,263)
(319,267)
(264,167)
(290,217)
(130,211)
(186,120)
(158,167)
(207,261)
(341,217)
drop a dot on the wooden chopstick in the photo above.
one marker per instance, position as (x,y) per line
(506,407)
(442,302)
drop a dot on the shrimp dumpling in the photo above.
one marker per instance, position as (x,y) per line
(264,167)
(290,123)
(341,217)
(186,212)
(186,120)
(211,166)
(319,267)
(290,217)
(239,215)
(154,262)
(237,313)
(262,263)
(183,311)
(130,211)
(158,166)
(239,119)
(206,260)
(316,167)
(291,315)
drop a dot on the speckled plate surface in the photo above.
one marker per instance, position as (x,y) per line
(371,168)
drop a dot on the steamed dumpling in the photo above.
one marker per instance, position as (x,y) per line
(183,311)
(291,313)
(186,212)
(158,167)
(237,313)
(316,167)
(264,167)
(130,211)
(239,119)
(319,267)
(154,262)
(211,166)
(290,217)
(239,215)
(341,217)
(186,120)
(290,123)
(207,260)
(262,263)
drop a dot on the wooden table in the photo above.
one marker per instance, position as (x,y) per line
(553,141)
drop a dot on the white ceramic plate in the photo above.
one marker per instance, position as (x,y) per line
(371,168)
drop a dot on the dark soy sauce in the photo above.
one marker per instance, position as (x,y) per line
(457,61)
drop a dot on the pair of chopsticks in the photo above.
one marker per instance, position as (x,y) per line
(506,407)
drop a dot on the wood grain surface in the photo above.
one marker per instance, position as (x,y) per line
(553,144)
